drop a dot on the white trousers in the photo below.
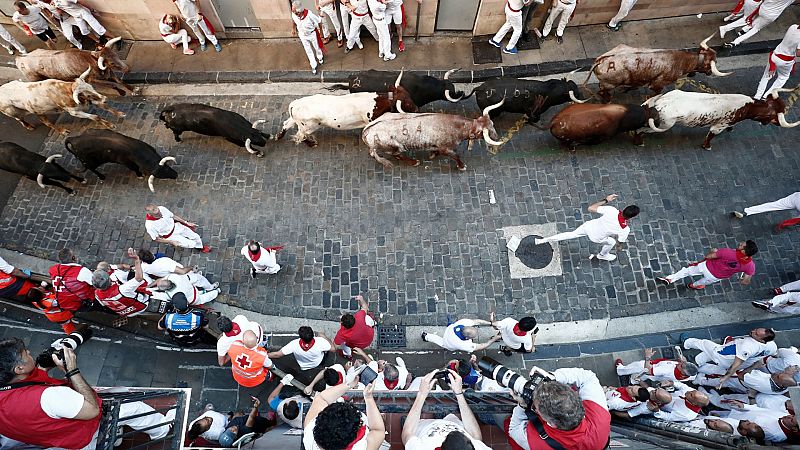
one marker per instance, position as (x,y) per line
(625,8)
(199,281)
(345,16)
(693,271)
(758,23)
(205,297)
(313,52)
(786,203)
(793,286)
(513,21)
(330,11)
(558,8)
(269,265)
(10,39)
(608,243)
(184,235)
(434,338)
(788,303)
(201,30)
(67,22)
(708,353)
(783,70)
(384,38)
(139,423)
(181,37)
(356,23)
(87,16)
(634,368)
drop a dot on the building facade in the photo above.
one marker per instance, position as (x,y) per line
(137,19)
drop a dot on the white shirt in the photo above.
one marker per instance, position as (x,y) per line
(340,369)
(606,226)
(432,434)
(361,6)
(265,258)
(761,382)
(678,410)
(5,266)
(34,20)
(782,360)
(182,284)
(453,343)
(161,267)
(307,359)
(515,6)
(165,29)
(790,42)
(224,343)
(665,370)
(48,6)
(772,401)
(297,422)
(747,349)
(188,8)
(617,403)
(166,224)
(393,5)
(70,7)
(378,9)
(506,328)
(772,9)
(218,423)
(765,418)
(307,25)
(380,382)
(61,402)
(129,289)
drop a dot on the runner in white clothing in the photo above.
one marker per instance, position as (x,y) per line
(766,13)
(612,228)
(381,21)
(164,266)
(174,283)
(201,27)
(395,13)
(79,10)
(263,259)
(305,25)
(513,10)
(31,20)
(359,16)
(167,228)
(519,336)
(625,8)
(458,336)
(169,27)
(788,203)
(328,7)
(64,22)
(566,8)
(781,62)
(8,41)
(742,8)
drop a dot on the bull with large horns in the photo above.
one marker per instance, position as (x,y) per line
(423,89)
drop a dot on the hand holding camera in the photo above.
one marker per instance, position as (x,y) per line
(65,359)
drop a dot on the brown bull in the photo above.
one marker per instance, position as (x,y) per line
(67,65)
(591,123)
(625,66)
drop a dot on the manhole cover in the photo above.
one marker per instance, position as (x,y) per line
(532,255)
(393,336)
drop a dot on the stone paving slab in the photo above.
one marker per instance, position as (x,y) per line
(409,236)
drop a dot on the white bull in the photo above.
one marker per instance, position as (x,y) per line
(717,111)
(19,98)
(342,112)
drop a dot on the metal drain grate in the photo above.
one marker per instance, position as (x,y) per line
(392,336)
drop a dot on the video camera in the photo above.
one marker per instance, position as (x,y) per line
(512,380)
(72,340)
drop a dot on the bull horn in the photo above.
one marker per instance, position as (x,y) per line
(101,64)
(489,139)
(575,99)
(491,107)
(704,43)
(165,159)
(75,94)
(774,92)
(40,181)
(247,146)
(85,74)
(716,71)
(51,158)
(447,95)
(400,107)
(784,123)
(653,126)
(258,122)
(113,41)
(399,77)
(150,183)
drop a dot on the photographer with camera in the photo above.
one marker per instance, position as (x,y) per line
(48,412)
(449,433)
(565,409)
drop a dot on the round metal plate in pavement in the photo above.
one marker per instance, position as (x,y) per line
(532,255)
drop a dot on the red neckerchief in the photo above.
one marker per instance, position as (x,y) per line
(149,217)
(789,433)
(622,222)
(623,394)
(234,331)
(691,406)
(341,378)
(41,376)
(305,14)
(391,384)
(680,376)
(360,435)
(742,258)
(303,345)
(254,255)
(519,332)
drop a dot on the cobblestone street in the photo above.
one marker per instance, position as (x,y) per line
(425,242)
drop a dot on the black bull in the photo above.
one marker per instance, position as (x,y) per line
(528,97)
(18,160)
(424,89)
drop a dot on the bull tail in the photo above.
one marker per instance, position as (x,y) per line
(338,87)
(591,71)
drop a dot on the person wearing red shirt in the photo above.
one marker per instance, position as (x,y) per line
(356,331)
(72,283)
(719,264)
(14,283)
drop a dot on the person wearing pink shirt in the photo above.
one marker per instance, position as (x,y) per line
(719,264)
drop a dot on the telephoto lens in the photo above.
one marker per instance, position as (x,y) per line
(72,341)
(506,377)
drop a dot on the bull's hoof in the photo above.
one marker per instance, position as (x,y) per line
(72,193)
(85,181)
(463,168)
(260,154)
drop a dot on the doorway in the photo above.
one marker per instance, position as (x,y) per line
(456,15)
(238,18)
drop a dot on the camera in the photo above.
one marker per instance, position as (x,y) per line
(72,340)
(442,375)
(512,380)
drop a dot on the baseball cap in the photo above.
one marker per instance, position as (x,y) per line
(180,302)
(227,438)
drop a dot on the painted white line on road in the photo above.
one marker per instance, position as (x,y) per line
(405,352)
(191,367)
(187,350)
